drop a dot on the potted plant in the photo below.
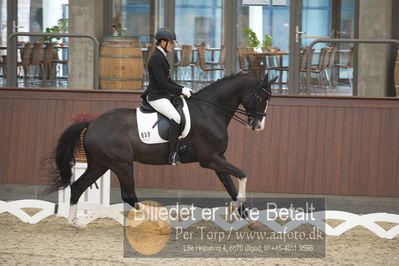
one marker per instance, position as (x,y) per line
(253,42)
(267,43)
(118,30)
(252,39)
(62,27)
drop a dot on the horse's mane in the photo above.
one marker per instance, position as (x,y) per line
(227,78)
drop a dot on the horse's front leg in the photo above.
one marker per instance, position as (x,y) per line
(236,204)
(228,184)
(231,189)
(221,166)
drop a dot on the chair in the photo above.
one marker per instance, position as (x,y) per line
(320,70)
(3,66)
(271,64)
(26,54)
(220,62)
(303,67)
(58,62)
(270,61)
(205,69)
(242,60)
(49,70)
(256,63)
(278,67)
(330,68)
(37,60)
(185,64)
(222,56)
(348,66)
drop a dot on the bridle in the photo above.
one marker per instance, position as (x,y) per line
(261,94)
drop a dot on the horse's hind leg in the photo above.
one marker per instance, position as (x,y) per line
(92,173)
(124,171)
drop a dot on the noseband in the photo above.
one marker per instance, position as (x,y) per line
(261,94)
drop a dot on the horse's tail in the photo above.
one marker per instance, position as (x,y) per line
(64,156)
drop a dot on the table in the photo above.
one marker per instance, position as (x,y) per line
(258,63)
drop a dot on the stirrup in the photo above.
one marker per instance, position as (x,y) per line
(173,158)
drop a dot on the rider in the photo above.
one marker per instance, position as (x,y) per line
(161,88)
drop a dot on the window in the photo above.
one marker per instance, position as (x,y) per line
(203,22)
(138,18)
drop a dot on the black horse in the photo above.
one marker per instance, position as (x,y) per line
(111,141)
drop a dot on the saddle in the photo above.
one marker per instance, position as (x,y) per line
(153,127)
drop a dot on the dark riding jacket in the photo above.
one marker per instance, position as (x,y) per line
(160,84)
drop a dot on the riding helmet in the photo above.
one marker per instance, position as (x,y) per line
(165,34)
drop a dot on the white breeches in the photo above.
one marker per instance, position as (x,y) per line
(165,107)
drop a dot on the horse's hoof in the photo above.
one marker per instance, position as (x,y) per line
(241,200)
(79,226)
(232,208)
(254,225)
(82,227)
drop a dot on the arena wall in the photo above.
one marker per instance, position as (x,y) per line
(316,145)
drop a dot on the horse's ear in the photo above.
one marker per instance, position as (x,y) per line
(265,80)
(271,82)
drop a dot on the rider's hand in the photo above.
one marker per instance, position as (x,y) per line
(186,92)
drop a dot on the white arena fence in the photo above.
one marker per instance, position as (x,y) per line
(95,204)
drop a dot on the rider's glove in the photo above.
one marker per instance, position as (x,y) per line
(186,92)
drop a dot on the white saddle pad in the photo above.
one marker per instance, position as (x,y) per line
(149,134)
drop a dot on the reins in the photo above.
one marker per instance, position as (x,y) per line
(240,120)
(224,109)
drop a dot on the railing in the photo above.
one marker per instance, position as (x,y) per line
(327,40)
(12,54)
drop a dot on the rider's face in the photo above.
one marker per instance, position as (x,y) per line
(170,46)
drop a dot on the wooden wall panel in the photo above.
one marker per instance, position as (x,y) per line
(319,145)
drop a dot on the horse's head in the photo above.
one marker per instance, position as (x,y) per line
(256,102)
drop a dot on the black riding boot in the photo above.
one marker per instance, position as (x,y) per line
(173,142)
